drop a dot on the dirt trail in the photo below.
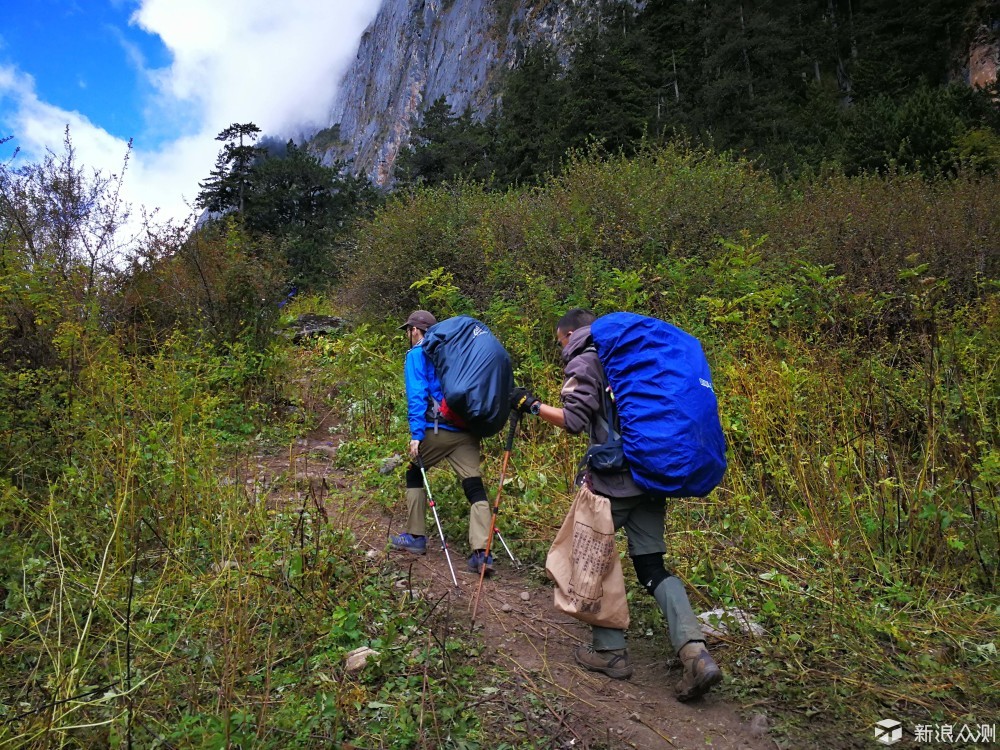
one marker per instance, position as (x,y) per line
(525,636)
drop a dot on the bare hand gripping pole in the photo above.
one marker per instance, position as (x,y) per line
(437,521)
(514,417)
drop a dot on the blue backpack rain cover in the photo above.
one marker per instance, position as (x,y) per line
(666,404)
(475,373)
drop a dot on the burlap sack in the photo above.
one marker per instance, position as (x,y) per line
(585,566)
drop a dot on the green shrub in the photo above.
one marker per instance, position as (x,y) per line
(616,213)
(872,226)
(219,281)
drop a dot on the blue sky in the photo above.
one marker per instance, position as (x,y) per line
(89,61)
(169,74)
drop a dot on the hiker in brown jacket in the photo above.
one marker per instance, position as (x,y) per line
(640,514)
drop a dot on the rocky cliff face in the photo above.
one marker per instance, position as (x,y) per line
(984,56)
(418,50)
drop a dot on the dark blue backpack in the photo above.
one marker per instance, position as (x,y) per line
(669,416)
(475,373)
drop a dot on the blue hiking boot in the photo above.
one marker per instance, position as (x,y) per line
(479,560)
(409,543)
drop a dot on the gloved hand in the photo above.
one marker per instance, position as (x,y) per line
(524,401)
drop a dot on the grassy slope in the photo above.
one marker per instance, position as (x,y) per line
(859,517)
(858,520)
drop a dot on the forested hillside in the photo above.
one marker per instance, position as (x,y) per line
(809,188)
(794,85)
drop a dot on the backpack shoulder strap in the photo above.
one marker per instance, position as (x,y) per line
(611,424)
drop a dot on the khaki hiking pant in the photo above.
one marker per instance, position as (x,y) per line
(461,450)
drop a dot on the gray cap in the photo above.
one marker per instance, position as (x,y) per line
(419,319)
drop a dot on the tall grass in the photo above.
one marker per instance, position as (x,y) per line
(167,580)
(852,325)
(158,593)
(166,592)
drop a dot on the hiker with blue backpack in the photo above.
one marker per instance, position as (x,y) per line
(435,438)
(651,372)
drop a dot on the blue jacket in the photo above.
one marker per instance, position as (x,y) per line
(422,385)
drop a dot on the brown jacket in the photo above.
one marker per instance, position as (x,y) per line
(584,409)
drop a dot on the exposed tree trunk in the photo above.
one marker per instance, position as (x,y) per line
(843,79)
(850,29)
(677,90)
(746,55)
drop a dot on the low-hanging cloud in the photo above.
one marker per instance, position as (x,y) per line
(274,64)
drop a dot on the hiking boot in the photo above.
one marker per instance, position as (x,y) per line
(614,663)
(701,673)
(409,543)
(479,560)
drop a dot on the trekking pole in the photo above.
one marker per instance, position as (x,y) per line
(517,563)
(437,521)
(514,417)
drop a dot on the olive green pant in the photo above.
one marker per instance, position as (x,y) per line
(461,450)
(642,518)
(673,601)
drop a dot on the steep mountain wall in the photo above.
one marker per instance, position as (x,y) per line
(418,50)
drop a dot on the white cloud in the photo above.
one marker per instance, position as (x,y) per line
(274,64)
(40,126)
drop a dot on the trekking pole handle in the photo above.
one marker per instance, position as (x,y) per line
(515,416)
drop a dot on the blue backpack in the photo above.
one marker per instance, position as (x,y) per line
(667,410)
(475,373)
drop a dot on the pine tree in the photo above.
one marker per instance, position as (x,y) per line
(606,98)
(670,61)
(226,186)
(446,147)
(528,131)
